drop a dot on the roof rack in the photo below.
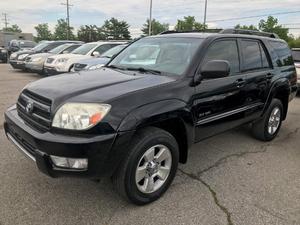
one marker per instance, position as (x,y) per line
(249,32)
(191,31)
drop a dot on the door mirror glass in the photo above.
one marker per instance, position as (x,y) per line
(96,54)
(215,69)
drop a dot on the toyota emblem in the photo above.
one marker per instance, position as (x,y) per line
(29,107)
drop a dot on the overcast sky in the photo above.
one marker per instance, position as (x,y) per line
(28,13)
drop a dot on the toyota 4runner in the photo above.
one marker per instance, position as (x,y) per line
(135,119)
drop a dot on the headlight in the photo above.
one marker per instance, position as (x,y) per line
(62,60)
(23,56)
(36,59)
(95,67)
(79,116)
(13,56)
(4,51)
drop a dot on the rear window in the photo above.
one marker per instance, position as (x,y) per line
(296,55)
(283,52)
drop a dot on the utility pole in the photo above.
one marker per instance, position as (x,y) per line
(150,20)
(205,13)
(67,4)
(5,20)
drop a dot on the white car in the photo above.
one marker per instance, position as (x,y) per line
(296,56)
(64,63)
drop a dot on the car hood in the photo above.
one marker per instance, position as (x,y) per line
(42,55)
(94,61)
(25,52)
(70,56)
(94,86)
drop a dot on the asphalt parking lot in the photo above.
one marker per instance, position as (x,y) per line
(229,179)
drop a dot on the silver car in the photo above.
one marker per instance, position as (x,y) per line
(296,57)
(35,62)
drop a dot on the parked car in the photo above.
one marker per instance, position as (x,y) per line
(98,62)
(64,63)
(35,62)
(20,45)
(17,59)
(296,56)
(3,55)
(135,119)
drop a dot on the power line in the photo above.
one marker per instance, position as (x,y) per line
(68,6)
(250,17)
(205,12)
(150,19)
(5,20)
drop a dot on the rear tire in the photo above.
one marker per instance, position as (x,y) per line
(149,168)
(267,128)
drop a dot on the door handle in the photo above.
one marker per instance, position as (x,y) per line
(240,83)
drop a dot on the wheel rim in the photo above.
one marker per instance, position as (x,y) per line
(153,169)
(274,120)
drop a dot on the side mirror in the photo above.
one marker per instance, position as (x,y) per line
(215,69)
(65,52)
(96,54)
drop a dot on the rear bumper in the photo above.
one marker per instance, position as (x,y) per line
(3,57)
(103,152)
(17,64)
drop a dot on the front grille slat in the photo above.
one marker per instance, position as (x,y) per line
(39,117)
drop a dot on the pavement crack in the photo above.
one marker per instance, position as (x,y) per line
(225,158)
(213,194)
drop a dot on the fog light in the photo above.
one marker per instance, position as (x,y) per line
(70,163)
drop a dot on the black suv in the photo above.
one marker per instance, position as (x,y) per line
(135,119)
(17,59)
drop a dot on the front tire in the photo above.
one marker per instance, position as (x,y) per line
(268,127)
(149,168)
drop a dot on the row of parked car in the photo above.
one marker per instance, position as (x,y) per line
(56,57)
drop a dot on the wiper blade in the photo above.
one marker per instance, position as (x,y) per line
(144,70)
(115,67)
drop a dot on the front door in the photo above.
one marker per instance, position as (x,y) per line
(219,104)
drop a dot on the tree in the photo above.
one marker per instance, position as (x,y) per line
(116,30)
(43,32)
(61,31)
(14,28)
(88,33)
(272,26)
(156,27)
(188,24)
(245,27)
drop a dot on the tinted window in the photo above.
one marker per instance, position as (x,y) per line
(71,48)
(103,48)
(225,50)
(283,52)
(265,61)
(84,49)
(252,59)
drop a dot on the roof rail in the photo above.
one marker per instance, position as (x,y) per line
(191,31)
(249,32)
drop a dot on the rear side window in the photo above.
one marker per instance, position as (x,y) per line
(251,55)
(225,50)
(283,52)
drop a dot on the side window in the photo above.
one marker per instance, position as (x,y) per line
(71,48)
(225,50)
(103,48)
(283,52)
(265,61)
(252,58)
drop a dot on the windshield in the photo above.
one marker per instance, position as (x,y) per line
(84,49)
(296,55)
(111,52)
(59,49)
(41,46)
(27,44)
(163,54)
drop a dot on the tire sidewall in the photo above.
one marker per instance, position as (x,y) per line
(131,189)
(269,136)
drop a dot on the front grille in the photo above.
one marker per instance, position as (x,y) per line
(38,116)
(79,66)
(50,60)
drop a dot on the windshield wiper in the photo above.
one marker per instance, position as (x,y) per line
(144,70)
(115,67)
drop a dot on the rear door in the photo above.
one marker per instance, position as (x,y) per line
(257,66)
(218,104)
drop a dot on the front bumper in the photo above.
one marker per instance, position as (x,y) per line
(104,152)
(3,57)
(52,71)
(34,67)
(17,64)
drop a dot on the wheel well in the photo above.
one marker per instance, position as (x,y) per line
(283,96)
(177,129)
(71,67)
